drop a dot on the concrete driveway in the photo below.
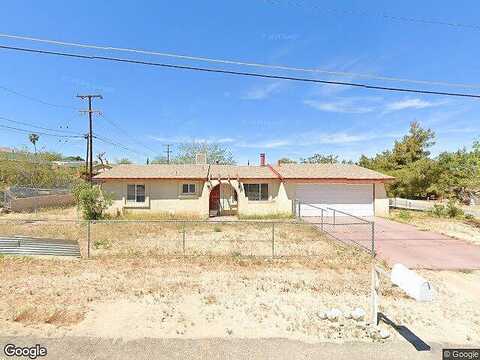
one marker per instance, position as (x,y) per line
(406,244)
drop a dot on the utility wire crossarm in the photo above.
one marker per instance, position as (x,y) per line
(90,113)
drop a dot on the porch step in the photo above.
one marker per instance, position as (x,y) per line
(213,213)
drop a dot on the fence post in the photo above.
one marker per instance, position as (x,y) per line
(322,220)
(299,210)
(183,240)
(273,240)
(88,239)
(334,217)
(373,239)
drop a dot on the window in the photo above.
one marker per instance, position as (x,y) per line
(189,189)
(136,193)
(256,191)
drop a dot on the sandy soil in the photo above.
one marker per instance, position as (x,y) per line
(202,298)
(459,229)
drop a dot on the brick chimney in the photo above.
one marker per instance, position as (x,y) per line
(262,159)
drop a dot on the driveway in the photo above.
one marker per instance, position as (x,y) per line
(406,244)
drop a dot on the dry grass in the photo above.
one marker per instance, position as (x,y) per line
(465,229)
(219,297)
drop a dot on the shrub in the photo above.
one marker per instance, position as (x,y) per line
(91,200)
(452,210)
(438,210)
(217,229)
(469,217)
(404,215)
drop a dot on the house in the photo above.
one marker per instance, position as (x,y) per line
(210,190)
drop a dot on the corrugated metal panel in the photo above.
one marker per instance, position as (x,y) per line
(353,199)
(33,246)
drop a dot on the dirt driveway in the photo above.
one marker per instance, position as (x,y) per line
(402,243)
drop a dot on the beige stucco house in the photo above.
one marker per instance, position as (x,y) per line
(213,190)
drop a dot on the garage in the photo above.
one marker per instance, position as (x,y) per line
(355,199)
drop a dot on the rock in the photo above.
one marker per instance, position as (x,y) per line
(347,314)
(322,315)
(373,331)
(358,314)
(334,314)
(384,334)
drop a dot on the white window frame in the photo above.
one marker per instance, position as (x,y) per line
(135,201)
(189,186)
(259,192)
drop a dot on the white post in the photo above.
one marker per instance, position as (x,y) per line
(375,294)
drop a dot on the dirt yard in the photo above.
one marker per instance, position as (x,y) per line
(130,290)
(468,230)
(222,297)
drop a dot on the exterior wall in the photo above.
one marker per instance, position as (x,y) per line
(166,196)
(382,207)
(162,196)
(277,199)
(38,202)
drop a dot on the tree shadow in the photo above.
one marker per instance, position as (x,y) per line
(406,333)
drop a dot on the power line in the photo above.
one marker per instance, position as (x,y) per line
(382,15)
(240,63)
(128,135)
(29,131)
(113,143)
(31,98)
(240,73)
(38,127)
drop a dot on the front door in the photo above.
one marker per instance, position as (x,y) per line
(215,198)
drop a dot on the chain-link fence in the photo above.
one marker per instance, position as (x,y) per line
(242,238)
(206,238)
(338,224)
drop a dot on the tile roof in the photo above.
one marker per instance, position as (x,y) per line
(242,172)
(286,171)
(328,171)
(155,171)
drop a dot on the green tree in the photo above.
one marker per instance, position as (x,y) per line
(91,200)
(408,162)
(160,160)
(124,161)
(216,153)
(286,160)
(33,138)
(321,159)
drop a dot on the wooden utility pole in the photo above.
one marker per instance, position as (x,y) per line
(168,151)
(90,111)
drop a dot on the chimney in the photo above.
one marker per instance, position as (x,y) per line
(201,158)
(262,159)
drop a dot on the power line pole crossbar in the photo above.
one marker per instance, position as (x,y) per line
(90,112)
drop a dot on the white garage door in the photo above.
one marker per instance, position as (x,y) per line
(353,199)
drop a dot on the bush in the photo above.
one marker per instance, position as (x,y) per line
(469,217)
(438,210)
(452,210)
(404,215)
(91,200)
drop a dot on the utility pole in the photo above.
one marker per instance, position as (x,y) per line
(90,111)
(86,157)
(168,151)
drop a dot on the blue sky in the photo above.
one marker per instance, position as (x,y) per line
(159,106)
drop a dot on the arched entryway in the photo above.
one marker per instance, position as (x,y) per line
(223,200)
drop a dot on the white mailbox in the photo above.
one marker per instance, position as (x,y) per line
(412,283)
